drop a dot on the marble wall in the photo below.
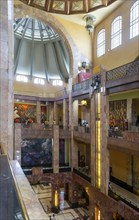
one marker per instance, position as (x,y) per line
(6,76)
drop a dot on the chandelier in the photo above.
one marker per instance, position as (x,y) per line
(90,19)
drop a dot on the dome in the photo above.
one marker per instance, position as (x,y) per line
(39,51)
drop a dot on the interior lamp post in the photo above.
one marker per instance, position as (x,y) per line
(90,19)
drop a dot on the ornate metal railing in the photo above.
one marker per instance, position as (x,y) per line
(129,69)
(82,85)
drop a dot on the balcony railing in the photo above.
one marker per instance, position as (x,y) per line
(83,172)
(82,86)
(10,206)
(129,69)
(115,133)
(82,129)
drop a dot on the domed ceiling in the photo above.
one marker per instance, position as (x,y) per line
(39,51)
(69,6)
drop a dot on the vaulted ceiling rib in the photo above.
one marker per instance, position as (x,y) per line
(39,51)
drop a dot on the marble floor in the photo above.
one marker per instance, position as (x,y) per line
(43,193)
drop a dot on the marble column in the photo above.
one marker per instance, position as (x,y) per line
(93,137)
(65,113)
(55,149)
(129,113)
(104,122)
(73,149)
(56,113)
(51,112)
(75,112)
(6,76)
(38,111)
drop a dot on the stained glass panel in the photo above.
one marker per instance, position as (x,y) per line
(77,5)
(39,2)
(58,5)
(95,3)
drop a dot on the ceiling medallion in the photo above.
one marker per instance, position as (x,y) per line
(69,6)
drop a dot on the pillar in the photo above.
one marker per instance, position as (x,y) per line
(75,113)
(38,111)
(73,150)
(56,113)
(65,113)
(50,112)
(6,76)
(55,149)
(92,132)
(129,113)
(104,125)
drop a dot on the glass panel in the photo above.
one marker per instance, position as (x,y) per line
(9,204)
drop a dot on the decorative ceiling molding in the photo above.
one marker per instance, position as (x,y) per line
(69,6)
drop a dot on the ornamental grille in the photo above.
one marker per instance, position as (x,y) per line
(129,69)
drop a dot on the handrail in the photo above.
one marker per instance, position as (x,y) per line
(84,85)
(21,204)
(23,209)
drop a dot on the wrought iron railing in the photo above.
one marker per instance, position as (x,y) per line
(129,69)
(82,85)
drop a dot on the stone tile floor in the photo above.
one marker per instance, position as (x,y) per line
(43,193)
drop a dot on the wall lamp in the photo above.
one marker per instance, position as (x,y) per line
(90,19)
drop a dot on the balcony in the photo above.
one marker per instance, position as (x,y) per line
(119,79)
(127,141)
(10,207)
(82,89)
(82,133)
(83,172)
(120,194)
(64,132)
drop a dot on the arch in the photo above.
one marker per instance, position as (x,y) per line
(22,10)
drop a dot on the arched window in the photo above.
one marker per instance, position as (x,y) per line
(21,78)
(101,43)
(116,32)
(57,82)
(39,81)
(134,20)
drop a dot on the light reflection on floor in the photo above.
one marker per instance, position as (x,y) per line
(43,192)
